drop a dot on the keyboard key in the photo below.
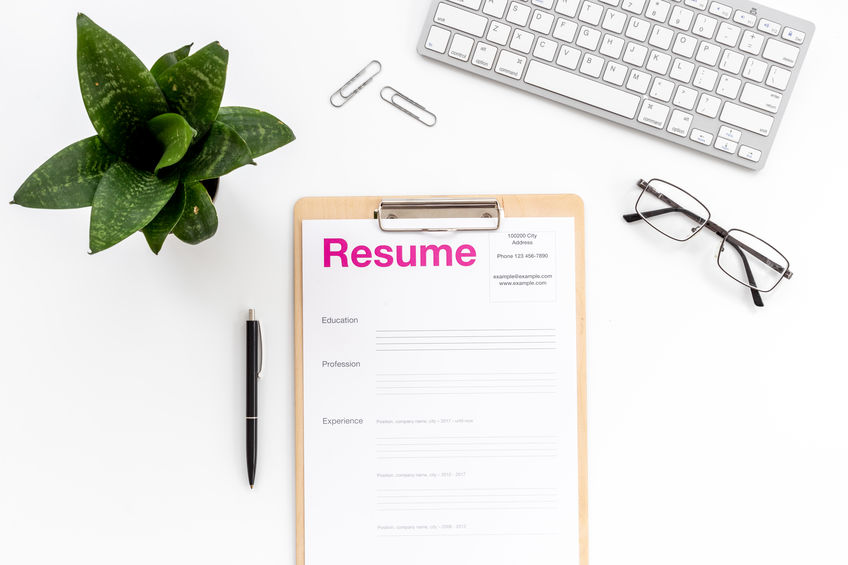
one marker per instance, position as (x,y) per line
(518,14)
(588,38)
(731,61)
(565,30)
(658,62)
(614,21)
(612,46)
(705,79)
(545,49)
(661,37)
(702,137)
(685,97)
(658,10)
(728,34)
(780,52)
(793,35)
(484,56)
(639,81)
(761,98)
(746,119)
(684,45)
(546,4)
(699,4)
(461,47)
(726,145)
(510,64)
(495,8)
(460,19)
(750,153)
(522,41)
(662,89)
(682,70)
(542,22)
(591,13)
(730,134)
(778,78)
(499,33)
(708,106)
(751,43)
(721,10)
(744,18)
(638,29)
(592,65)
(769,27)
(471,4)
(635,54)
(585,90)
(616,73)
(755,70)
(437,39)
(634,6)
(708,53)
(705,26)
(567,8)
(728,87)
(569,57)
(654,114)
(680,123)
(681,18)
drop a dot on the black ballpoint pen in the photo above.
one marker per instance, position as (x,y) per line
(254,366)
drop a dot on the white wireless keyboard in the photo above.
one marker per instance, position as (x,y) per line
(713,76)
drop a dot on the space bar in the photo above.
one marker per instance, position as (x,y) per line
(582,89)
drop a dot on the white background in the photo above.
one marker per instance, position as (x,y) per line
(717,431)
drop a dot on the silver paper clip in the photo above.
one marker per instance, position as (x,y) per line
(408,106)
(349,89)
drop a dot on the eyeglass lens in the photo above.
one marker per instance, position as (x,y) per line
(671,210)
(751,261)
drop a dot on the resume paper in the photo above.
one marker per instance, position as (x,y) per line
(440,394)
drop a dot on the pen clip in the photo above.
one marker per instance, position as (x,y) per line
(261,351)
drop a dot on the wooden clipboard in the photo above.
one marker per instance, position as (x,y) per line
(533,206)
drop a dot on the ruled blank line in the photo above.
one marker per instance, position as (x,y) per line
(448,508)
(472,330)
(459,535)
(464,343)
(476,349)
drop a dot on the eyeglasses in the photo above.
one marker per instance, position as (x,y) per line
(744,257)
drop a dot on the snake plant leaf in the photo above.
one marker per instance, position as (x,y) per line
(222,151)
(69,178)
(119,92)
(194,86)
(261,131)
(158,229)
(199,221)
(175,135)
(169,60)
(126,200)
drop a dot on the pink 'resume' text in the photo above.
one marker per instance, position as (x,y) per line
(336,254)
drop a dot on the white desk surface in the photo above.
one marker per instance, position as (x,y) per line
(717,431)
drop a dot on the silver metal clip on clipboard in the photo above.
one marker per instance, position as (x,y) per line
(439,215)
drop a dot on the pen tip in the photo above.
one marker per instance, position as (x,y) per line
(251,314)
(251,487)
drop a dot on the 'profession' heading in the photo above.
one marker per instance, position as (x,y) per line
(402,256)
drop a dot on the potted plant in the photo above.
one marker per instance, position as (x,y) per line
(161,133)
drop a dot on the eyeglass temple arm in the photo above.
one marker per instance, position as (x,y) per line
(755,294)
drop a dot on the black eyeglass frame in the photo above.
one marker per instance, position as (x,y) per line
(726,236)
